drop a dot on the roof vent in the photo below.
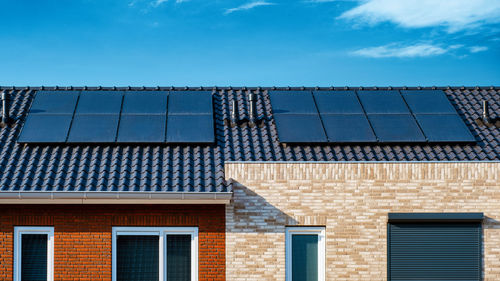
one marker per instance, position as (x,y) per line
(5,109)
(486,119)
(252,99)
(486,112)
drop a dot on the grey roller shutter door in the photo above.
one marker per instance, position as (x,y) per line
(434,251)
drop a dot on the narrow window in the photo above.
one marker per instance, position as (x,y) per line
(305,254)
(152,254)
(33,253)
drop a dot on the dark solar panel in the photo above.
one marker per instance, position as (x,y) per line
(383,102)
(299,128)
(396,128)
(44,128)
(444,128)
(428,101)
(52,102)
(99,102)
(347,128)
(190,103)
(145,103)
(337,102)
(288,102)
(94,128)
(190,128)
(142,128)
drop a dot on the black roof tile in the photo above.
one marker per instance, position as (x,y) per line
(200,168)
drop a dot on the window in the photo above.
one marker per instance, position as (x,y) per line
(33,253)
(155,253)
(305,254)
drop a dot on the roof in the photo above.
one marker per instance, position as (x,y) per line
(200,168)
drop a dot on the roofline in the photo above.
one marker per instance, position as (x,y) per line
(124,197)
(214,88)
(366,162)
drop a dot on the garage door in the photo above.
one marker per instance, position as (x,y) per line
(434,250)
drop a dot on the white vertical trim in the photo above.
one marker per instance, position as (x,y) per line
(320,231)
(18,232)
(162,232)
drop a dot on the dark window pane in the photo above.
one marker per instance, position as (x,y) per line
(178,257)
(304,257)
(137,258)
(34,257)
(388,102)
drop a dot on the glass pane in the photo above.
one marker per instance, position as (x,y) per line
(137,258)
(34,257)
(304,257)
(178,257)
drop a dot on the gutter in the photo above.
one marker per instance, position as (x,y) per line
(124,197)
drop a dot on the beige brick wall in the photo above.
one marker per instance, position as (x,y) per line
(352,200)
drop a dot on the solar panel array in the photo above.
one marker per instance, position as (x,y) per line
(119,117)
(367,117)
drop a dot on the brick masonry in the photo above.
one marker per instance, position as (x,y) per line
(83,233)
(352,201)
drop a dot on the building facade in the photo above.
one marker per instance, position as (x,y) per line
(209,184)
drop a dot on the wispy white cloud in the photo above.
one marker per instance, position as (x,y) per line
(477,49)
(248,6)
(404,51)
(157,3)
(454,15)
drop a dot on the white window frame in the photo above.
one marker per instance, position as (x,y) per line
(161,232)
(18,232)
(316,230)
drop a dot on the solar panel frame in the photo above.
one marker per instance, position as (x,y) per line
(54,102)
(444,128)
(383,102)
(337,102)
(145,102)
(287,133)
(394,128)
(45,128)
(142,129)
(100,102)
(348,128)
(293,102)
(190,103)
(183,128)
(94,128)
(428,102)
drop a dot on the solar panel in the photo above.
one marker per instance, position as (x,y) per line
(299,128)
(94,128)
(145,103)
(45,128)
(383,102)
(99,102)
(444,128)
(428,101)
(396,128)
(290,102)
(348,128)
(190,128)
(190,103)
(54,102)
(337,102)
(142,128)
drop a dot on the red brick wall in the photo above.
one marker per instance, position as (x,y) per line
(82,235)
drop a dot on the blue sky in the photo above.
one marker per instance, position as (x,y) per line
(252,43)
